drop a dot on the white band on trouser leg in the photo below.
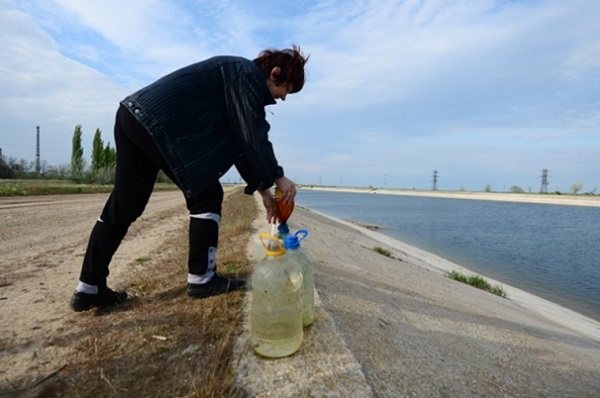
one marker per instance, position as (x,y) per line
(208,216)
(210,272)
(212,252)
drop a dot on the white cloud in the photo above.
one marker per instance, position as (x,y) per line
(42,88)
(396,88)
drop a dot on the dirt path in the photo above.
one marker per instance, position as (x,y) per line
(42,243)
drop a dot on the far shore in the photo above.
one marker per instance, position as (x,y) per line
(542,198)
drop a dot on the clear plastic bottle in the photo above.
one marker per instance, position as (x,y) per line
(296,254)
(276,311)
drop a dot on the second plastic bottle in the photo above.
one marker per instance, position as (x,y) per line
(296,254)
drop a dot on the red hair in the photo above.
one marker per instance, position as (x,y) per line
(291,61)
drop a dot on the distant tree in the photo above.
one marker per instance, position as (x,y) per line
(13,168)
(576,188)
(21,167)
(61,172)
(103,162)
(77,162)
(110,156)
(516,189)
(5,169)
(488,188)
(97,152)
(103,157)
(162,177)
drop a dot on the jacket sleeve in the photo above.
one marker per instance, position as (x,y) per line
(245,171)
(245,98)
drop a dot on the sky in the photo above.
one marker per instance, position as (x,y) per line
(483,93)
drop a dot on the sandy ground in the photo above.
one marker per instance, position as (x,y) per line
(42,243)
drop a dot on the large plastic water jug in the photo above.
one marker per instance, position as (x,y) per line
(296,254)
(276,311)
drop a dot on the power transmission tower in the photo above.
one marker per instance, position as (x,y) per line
(37,150)
(435,179)
(545,182)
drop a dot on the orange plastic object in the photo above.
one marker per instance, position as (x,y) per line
(285,209)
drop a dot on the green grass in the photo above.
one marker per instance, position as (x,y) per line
(58,187)
(143,259)
(47,187)
(382,251)
(478,282)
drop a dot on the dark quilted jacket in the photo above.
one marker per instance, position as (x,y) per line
(209,116)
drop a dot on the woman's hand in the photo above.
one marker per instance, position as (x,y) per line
(288,188)
(270,206)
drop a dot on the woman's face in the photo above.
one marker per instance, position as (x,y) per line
(277,91)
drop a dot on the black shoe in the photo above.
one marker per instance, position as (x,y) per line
(105,298)
(217,285)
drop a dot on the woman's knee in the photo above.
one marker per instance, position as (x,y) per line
(209,201)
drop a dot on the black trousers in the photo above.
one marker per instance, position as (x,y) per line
(138,163)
